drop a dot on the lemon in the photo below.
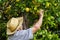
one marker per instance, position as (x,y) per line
(55,4)
(27,9)
(17,0)
(35,8)
(47,4)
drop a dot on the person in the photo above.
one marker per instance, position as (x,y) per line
(15,31)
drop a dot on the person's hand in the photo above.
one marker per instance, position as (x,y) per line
(41,12)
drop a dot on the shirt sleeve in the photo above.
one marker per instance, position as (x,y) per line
(25,34)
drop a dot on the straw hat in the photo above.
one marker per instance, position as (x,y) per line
(13,24)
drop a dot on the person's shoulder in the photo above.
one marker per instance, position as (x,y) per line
(24,32)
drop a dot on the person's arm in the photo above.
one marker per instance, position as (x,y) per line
(38,24)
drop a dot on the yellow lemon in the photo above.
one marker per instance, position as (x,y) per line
(55,4)
(17,0)
(27,9)
(47,4)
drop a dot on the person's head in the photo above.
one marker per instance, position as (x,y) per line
(14,24)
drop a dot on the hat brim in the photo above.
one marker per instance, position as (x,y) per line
(10,33)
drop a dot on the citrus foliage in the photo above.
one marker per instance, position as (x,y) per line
(51,20)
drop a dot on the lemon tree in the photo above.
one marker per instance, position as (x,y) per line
(15,8)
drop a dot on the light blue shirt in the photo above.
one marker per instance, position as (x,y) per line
(22,35)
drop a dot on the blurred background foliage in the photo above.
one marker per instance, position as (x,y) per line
(50,29)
